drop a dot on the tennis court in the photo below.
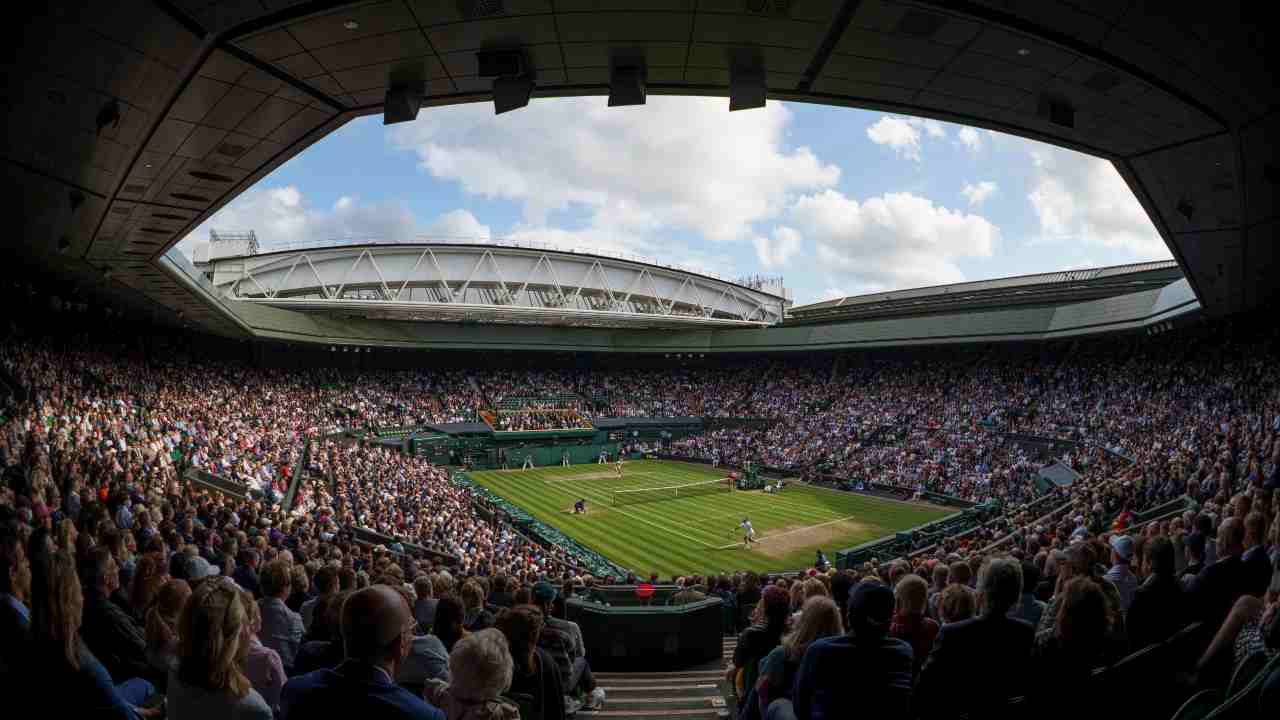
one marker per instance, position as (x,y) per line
(679,526)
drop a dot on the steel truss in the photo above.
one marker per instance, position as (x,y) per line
(490,283)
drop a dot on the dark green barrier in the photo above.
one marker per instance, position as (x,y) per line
(625,595)
(551,455)
(649,638)
(217,484)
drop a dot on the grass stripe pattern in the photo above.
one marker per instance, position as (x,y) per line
(699,534)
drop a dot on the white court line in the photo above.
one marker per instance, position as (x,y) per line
(664,528)
(788,532)
(580,478)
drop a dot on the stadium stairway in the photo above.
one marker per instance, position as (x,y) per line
(694,694)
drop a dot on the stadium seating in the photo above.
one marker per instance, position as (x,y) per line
(151,460)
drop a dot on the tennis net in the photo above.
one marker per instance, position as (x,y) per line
(670,492)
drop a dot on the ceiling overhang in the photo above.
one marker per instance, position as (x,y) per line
(130,123)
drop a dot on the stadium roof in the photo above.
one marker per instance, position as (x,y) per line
(129,123)
(529,283)
(1054,288)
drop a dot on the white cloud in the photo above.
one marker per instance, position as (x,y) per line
(458,224)
(932,127)
(978,193)
(777,251)
(897,133)
(970,138)
(1082,199)
(893,241)
(832,293)
(281,215)
(674,164)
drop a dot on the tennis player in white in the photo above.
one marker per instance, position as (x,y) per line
(748,533)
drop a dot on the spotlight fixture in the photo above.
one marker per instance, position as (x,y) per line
(513,82)
(511,93)
(627,86)
(746,79)
(1056,110)
(401,104)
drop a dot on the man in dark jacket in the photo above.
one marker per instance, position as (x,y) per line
(1158,610)
(1257,563)
(15,594)
(246,572)
(107,629)
(1220,584)
(1193,546)
(377,632)
(865,668)
(967,654)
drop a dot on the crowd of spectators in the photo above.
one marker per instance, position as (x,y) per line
(539,418)
(957,634)
(128,585)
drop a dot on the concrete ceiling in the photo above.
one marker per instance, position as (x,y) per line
(130,122)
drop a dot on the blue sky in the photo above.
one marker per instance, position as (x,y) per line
(837,201)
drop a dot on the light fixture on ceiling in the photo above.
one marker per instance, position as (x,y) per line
(1023,52)
(627,85)
(351,25)
(147,165)
(513,78)
(511,93)
(746,79)
(401,103)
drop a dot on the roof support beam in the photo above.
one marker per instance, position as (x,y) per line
(838,25)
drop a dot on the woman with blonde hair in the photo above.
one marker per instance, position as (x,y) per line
(213,639)
(909,623)
(480,670)
(261,664)
(819,618)
(162,625)
(67,535)
(61,665)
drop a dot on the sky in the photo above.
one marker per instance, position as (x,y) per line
(836,201)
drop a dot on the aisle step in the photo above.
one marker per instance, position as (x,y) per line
(652,674)
(693,675)
(654,687)
(709,714)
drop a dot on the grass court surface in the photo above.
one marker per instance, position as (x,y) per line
(699,534)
